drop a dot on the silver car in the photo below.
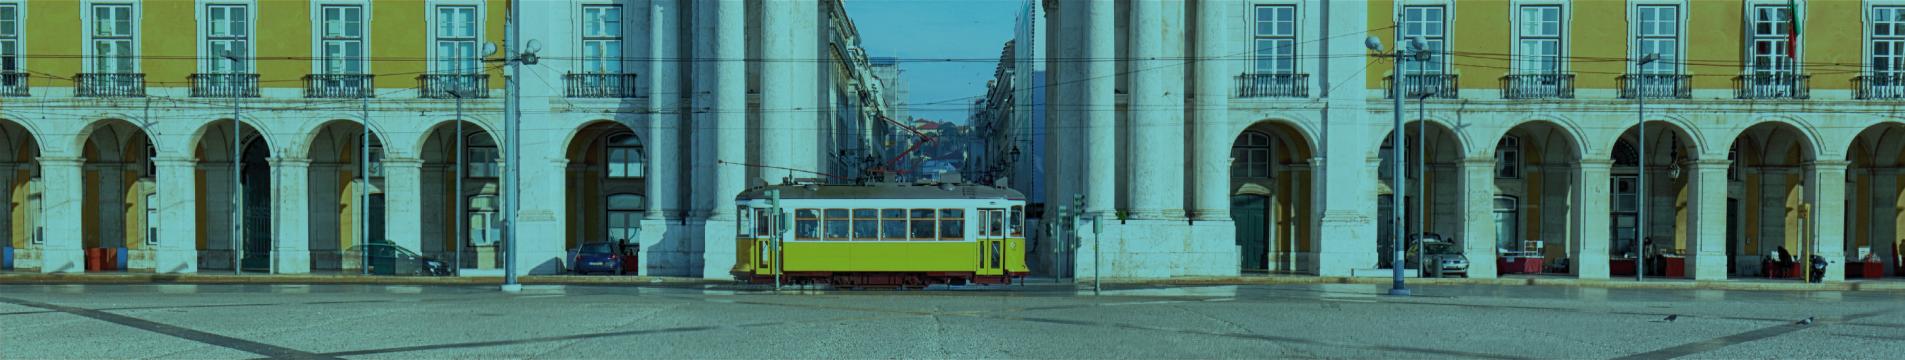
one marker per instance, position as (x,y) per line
(1443,257)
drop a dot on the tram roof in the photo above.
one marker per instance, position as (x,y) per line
(884,191)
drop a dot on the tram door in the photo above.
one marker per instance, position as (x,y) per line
(991,242)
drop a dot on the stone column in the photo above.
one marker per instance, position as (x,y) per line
(1210,146)
(1098,104)
(777,59)
(1478,223)
(664,119)
(178,216)
(1347,178)
(1827,225)
(807,35)
(1885,217)
(1590,248)
(729,135)
(1151,114)
(290,215)
(62,201)
(1708,257)
(403,203)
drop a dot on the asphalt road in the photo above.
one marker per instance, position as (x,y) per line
(1036,321)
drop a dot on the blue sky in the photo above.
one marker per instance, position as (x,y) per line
(937,29)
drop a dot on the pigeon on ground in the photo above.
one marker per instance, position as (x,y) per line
(1671,318)
(1806,321)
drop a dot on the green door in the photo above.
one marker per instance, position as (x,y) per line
(1252,216)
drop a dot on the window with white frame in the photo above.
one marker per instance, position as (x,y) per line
(1539,45)
(1772,41)
(625,157)
(1659,34)
(456,40)
(10,38)
(112,30)
(1250,157)
(602,39)
(342,36)
(1427,23)
(1275,39)
(1888,42)
(481,157)
(227,33)
(1508,158)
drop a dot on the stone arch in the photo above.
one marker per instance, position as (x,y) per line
(594,175)
(1272,188)
(309,136)
(13,132)
(420,147)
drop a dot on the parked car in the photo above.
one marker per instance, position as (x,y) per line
(595,257)
(1442,256)
(387,258)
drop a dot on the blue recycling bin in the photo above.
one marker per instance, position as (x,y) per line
(6,257)
(122,259)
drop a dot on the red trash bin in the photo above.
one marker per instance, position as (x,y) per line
(93,259)
(109,259)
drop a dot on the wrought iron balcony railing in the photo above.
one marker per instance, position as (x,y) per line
(13,83)
(1879,86)
(1443,86)
(1772,86)
(109,84)
(601,85)
(224,85)
(450,86)
(1273,85)
(1538,86)
(1656,86)
(339,86)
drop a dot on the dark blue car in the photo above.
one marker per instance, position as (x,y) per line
(597,257)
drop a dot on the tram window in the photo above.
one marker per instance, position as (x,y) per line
(996,223)
(893,224)
(1018,221)
(952,224)
(746,218)
(984,216)
(807,224)
(923,224)
(763,222)
(866,224)
(837,224)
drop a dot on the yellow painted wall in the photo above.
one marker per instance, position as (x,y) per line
(1832,34)
(20,233)
(1481,27)
(133,209)
(168,41)
(1795,195)
(1597,30)
(1713,43)
(1382,20)
(397,32)
(284,42)
(53,29)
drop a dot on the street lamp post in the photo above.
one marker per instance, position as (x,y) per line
(238,186)
(461,210)
(1414,49)
(1640,232)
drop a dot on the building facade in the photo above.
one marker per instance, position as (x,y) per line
(368,128)
(1767,127)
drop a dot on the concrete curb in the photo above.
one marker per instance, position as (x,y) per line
(1856,285)
(345,279)
(136,278)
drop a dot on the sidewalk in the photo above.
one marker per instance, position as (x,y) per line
(1893,284)
(9,277)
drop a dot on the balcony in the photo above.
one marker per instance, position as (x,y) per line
(1656,86)
(13,83)
(1890,86)
(451,86)
(1441,86)
(1538,86)
(1772,86)
(601,85)
(224,85)
(339,86)
(109,85)
(1273,86)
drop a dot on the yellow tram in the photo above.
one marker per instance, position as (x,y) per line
(881,235)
